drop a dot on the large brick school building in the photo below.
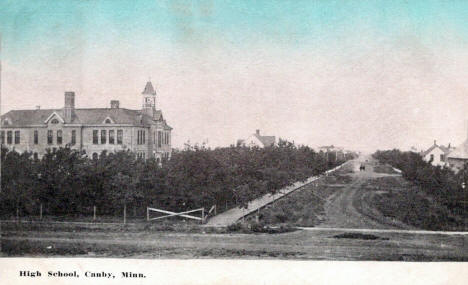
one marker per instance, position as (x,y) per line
(145,132)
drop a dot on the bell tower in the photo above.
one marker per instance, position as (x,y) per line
(149,100)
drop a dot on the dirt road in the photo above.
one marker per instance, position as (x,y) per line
(318,245)
(348,208)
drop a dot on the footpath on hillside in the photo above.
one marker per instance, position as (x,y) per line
(233,215)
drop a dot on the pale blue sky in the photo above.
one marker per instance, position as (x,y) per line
(312,71)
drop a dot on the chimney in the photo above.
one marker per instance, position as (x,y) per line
(69,109)
(257,132)
(114,104)
(435,142)
(38,107)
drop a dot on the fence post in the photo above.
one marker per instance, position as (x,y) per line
(125,213)
(94,213)
(40,212)
(147,214)
(215,210)
(202,215)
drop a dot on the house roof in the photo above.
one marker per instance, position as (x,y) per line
(266,140)
(460,152)
(82,116)
(149,89)
(444,149)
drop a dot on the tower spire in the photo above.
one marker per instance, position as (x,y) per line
(149,89)
(149,99)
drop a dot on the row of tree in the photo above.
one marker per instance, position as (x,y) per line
(65,182)
(440,183)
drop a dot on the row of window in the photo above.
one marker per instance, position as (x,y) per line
(50,137)
(107,136)
(58,136)
(9,137)
(99,137)
(163,138)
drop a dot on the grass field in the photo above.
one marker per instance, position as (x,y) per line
(398,199)
(384,168)
(75,241)
(304,207)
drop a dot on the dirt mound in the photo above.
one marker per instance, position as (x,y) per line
(359,236)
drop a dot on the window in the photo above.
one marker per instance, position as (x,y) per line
(95,137)
(119,136)
(111,136)
(36,137)
(73,137)
(2,137)
(108,121)
(59,137)
(141,137)
(159,138)
(35,155)
(95,155)
(442,158)
(168,138)
(104,136)
(54,121)
(50,136)
(432,157)
(17,137)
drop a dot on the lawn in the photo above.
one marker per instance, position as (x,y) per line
(304,207)
(403,201)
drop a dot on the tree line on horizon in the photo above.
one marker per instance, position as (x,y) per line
(65,182)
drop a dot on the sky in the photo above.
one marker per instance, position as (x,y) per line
(364,75)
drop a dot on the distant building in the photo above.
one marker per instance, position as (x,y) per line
(145,132)
(338,152)
(257,140)
(457,158)
(437,154)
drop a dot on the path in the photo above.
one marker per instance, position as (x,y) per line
(233,215)
(348,208)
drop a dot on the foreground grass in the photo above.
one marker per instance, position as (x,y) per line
(304,207)
(294,245)
(398,199)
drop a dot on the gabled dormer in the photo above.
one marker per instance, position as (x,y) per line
(108,120)
(54,119)
(6,122)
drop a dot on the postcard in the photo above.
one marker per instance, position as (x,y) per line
(233,142)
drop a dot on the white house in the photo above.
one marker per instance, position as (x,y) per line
(437,154)
(257,140)
(458,157)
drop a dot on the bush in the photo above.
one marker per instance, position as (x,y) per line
(440,183)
